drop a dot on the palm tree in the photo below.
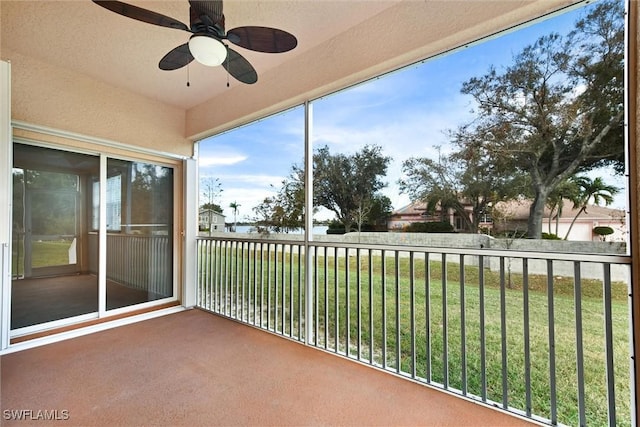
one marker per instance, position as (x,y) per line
(567,190)
(595,190)
(234,205)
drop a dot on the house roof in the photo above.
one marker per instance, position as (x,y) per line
(340,43)
(519,210)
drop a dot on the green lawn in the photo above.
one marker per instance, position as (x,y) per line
(429,348)
(43,254)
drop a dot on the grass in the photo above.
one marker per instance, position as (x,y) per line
(43,254)
(389,313)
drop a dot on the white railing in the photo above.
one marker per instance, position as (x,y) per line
(554,348)
(141,262)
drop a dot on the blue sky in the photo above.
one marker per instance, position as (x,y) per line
(406,113)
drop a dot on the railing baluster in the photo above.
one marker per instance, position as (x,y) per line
(236,267)
(316,299)
(283,298)
(397,309)
(226,277)
(291,252)
(255,282)
(275,286)
(526,334)
(503,334)
(203,273)
(483,338)
(268,258)
(608,329)
(261,285)
(358,302)
(412,309)
(326,298)
(300,312)
(427,310)
(347,303)
(221,277)
(371,340)
(552,344)
(242,283)
(214,277)
(577,298)
(384,310)
(463,335)
(336,297)
(445,338)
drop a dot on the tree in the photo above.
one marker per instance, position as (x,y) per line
(456,181)
(590,189)
(284,211)
(566,190)
(346,184)
(558,109)
(210,189)
(234,205)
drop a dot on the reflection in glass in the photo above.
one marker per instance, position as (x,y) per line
(139,229)
(53,268)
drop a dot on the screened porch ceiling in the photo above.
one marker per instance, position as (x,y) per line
(340,43)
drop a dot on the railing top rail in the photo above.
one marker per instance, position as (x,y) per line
(555,256)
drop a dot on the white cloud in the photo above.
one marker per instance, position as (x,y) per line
(221,160)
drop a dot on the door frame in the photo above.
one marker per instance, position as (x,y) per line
(25,133)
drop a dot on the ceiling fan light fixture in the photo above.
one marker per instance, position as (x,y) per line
(207,50)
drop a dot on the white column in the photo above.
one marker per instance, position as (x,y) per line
(308,226)
(6,201)
(190,254)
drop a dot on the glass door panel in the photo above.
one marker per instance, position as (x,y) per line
(51,257)
(139,205)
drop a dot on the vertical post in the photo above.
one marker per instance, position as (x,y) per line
(102,239)
(6,199)
(632,86)
(189,253)
(308,222)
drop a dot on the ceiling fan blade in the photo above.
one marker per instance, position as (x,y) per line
(140,14)
(239,67)
(262,39)
(176,58)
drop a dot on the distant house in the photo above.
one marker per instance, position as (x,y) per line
(513,216)
(211,220)
(417,212)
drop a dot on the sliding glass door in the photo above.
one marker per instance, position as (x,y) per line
(49,265)
(60,242)
(139,232)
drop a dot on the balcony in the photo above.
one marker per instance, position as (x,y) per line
(351,333)
(195,368)
(544,335)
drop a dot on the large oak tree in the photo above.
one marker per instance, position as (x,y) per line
(557,110)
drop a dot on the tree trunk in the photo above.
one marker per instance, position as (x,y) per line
(536,214)
(573,221)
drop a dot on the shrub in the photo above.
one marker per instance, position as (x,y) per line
(429,227)
(603,230)
(550,236)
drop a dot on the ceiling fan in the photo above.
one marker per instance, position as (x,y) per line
(208,33)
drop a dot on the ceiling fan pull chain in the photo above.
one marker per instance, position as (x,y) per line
(228,64)
(188,84)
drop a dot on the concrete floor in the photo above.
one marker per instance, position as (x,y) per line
(194,368)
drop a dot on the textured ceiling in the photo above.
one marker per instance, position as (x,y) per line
(339,43)
(125,53)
